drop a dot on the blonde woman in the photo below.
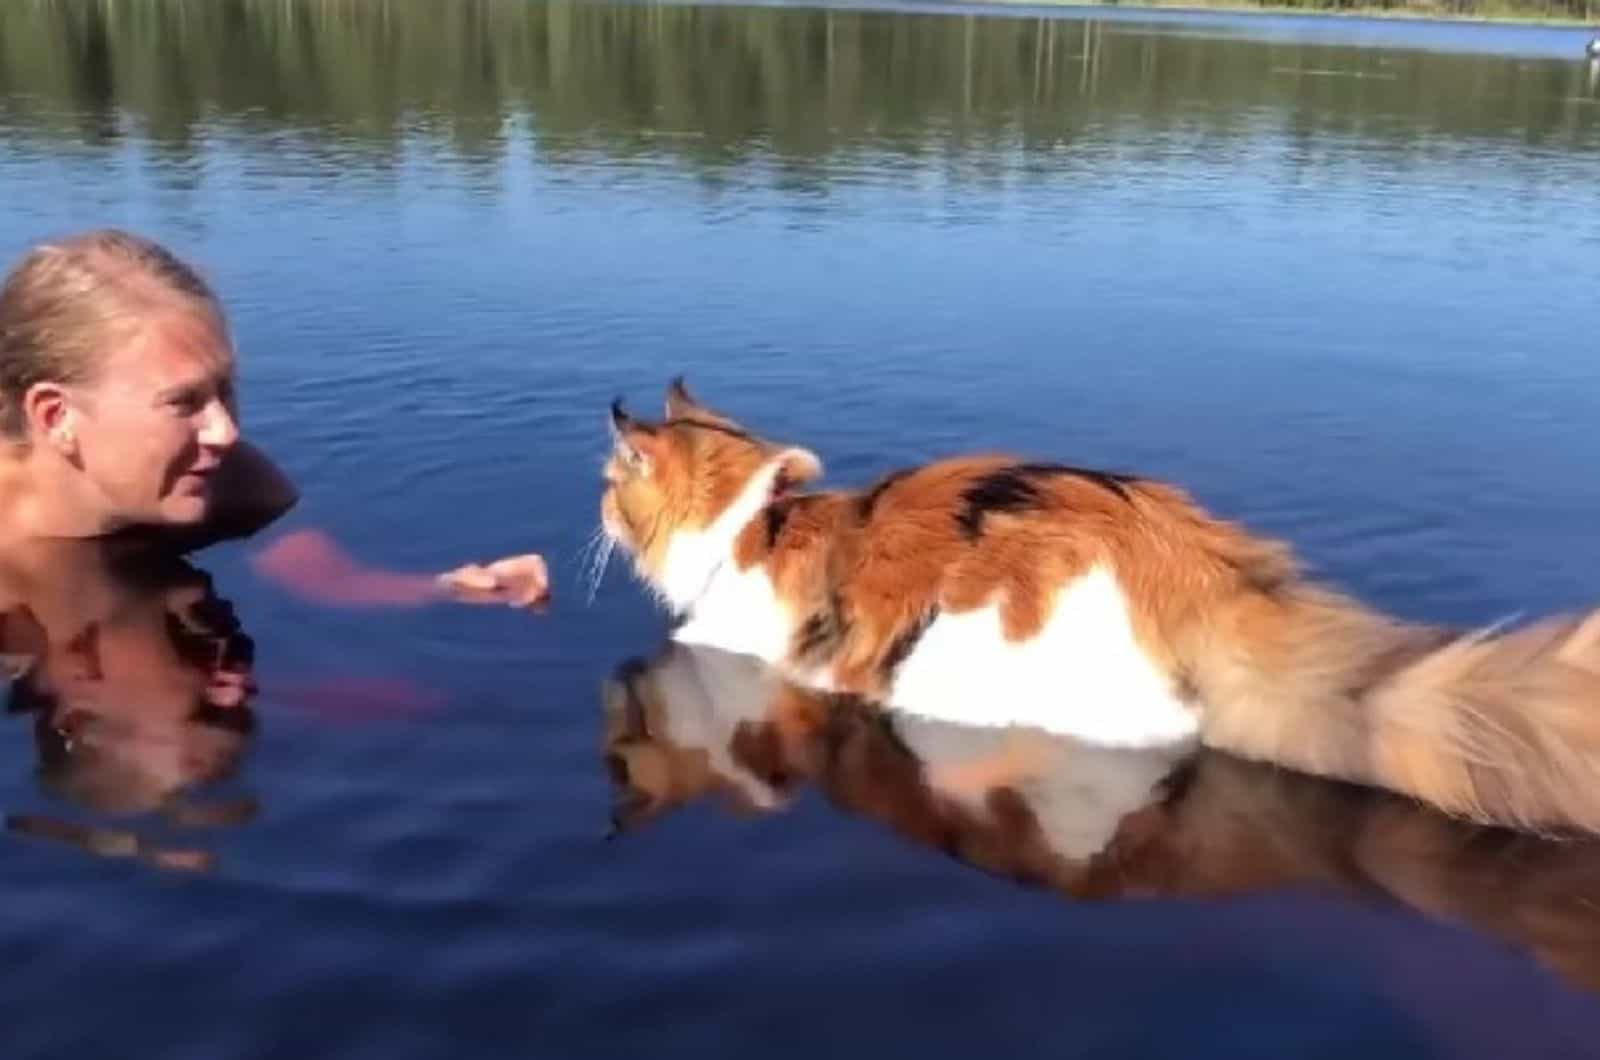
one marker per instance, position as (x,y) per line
(118,420)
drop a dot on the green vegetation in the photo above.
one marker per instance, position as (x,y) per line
(1554,12)
(716,84)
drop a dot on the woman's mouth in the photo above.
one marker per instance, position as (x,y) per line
(198,479)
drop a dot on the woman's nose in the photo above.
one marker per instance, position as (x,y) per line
(220,430)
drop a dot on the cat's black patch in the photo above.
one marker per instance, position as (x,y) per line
(820,634)
(869,500)
(1007,490)
(775,516)
(1111,481)
(902,646)
(813,633)
(1016,488)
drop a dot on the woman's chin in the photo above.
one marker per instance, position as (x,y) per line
(185,509)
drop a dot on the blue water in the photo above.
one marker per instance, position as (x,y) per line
(1355,311)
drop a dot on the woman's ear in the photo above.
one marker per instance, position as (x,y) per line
(50,418)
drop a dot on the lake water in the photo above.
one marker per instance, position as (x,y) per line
(1336,277)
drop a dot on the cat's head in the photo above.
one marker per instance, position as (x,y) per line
(679,490)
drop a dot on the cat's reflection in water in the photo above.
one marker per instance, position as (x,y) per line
(1089,822)
(136,679)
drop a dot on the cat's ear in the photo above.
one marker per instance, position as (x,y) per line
(680,403)
(633,443)
(796,467)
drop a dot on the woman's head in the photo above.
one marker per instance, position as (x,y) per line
(116,378)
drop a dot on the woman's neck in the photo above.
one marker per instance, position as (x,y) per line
(37,501)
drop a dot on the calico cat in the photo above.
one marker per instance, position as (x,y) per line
(991,590)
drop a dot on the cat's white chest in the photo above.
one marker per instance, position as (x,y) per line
(1084,674)
(739,612)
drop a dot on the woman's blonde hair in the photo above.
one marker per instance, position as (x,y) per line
(66,301)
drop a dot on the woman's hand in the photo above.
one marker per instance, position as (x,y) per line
(518,581)
(312,566)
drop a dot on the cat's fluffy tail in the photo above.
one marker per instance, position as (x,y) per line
(1498,726)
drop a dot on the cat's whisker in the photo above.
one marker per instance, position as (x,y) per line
(602,560)
(586,553)
(591,560)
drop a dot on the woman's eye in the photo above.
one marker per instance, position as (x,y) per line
(188,404)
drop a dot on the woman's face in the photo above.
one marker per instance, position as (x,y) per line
(154,424)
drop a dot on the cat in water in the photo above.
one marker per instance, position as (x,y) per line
(992,590)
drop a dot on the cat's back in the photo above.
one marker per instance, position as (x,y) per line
(961,530)
(965,491)
(990,579)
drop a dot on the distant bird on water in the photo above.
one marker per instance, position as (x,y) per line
(1593,48)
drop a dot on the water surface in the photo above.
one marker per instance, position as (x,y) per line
(1336,277)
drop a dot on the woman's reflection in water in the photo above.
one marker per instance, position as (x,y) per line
(137,679)
(1088,822)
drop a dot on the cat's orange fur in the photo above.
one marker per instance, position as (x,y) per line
(1496,727)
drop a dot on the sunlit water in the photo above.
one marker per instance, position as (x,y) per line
(1338,278)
